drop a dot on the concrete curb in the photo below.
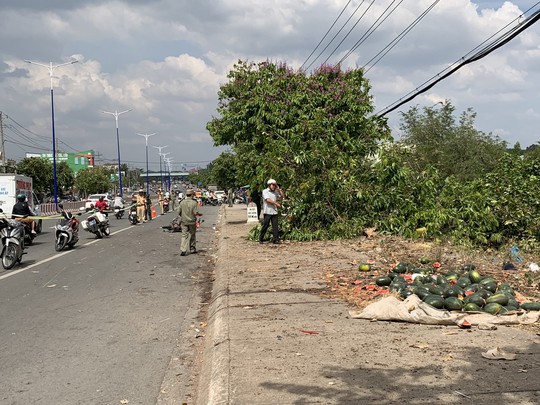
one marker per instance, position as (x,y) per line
(214,382)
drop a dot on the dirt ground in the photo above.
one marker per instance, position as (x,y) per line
(338,263)
(375,362)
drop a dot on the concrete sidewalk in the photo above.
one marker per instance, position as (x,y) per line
(273,339)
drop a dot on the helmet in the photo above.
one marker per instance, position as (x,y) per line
(21,197)
(271,181)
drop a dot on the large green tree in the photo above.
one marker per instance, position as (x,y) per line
(454,147)
(223,171)
(93,180)
(41,171)
(65,177)
(312,133)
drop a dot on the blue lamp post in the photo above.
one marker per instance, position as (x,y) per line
(159,148)
(51,68)
(116,114)
(146,136)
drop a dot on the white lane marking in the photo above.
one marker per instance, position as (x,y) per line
(57,255)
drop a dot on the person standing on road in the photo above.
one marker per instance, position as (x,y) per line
(188,211)
(230,196)
(148,207)
(141,206)
(271,202)
(160,200)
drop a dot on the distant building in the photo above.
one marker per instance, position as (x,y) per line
(76,161)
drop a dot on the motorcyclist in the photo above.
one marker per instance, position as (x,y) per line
(101,204)
(21,211)
(118,202)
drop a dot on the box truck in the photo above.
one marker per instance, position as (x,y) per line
(12,184)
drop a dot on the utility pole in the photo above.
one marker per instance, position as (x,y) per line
(2,150)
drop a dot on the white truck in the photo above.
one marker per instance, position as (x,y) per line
(12,184)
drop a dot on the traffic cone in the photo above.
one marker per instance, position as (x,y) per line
(154,213)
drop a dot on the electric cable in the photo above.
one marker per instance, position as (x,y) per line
(327,32)
(505,38)
(341,29)
(396,40)
(369,32)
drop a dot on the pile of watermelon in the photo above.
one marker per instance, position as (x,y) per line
(464,290)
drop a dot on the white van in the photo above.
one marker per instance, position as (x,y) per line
(12,184)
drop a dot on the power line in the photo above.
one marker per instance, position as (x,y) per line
(327,32)
(396,40)
(497,43)
(368,33)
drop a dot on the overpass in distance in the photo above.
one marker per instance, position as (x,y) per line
(165,174)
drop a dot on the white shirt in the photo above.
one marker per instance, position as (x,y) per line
(118,202)
(269,208)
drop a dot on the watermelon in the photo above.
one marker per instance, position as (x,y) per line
(436,290)
(383,281)
(475,299)
(453,304)
(474,276)
(463,282)
(493,308)
(435,301)
(498,298)
(531,306)
(471,307)
(401,268)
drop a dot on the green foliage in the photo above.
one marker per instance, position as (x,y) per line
(41,171)
(93,180)
(342,173)
(223,171)
(312,133)
(201,176)
(65,177)
(455,149)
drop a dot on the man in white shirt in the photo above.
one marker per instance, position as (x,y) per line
(271,202)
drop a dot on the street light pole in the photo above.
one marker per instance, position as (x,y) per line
(160,171)
(51,68)
(163,156)
(116,114)
(169,161)
(146,136)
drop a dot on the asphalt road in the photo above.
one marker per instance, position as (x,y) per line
(104,322)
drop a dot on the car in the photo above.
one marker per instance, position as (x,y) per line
(220,195)
(93,198)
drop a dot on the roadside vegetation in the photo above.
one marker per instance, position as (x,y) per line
(318,136)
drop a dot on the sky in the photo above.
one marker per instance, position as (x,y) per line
(165,59)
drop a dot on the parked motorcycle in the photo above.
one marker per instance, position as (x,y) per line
(118,212)
(132,216)
(12,237)
(97,223)
(66,231)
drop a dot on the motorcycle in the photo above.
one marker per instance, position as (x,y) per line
(118,212)
(12,237)
(132,216)
(66,231)
(28,235)
(97,223)
(166,205)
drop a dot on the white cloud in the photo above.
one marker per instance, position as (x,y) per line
(167,58)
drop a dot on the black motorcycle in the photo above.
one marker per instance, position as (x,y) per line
(118,212)
(12,238)
(132,216)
